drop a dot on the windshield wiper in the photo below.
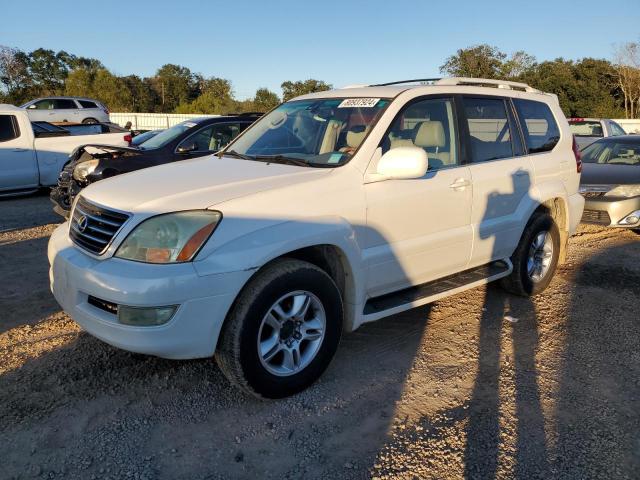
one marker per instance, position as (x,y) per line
(233,153)
(281,159)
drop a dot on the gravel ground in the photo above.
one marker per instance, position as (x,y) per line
(447,391)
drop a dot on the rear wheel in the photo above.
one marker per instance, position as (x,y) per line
(89,121)
(535,258)
(283,330)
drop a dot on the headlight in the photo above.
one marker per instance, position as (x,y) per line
(170,238)
(624,191)
(84,168)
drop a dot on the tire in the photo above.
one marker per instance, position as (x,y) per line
(247,330)
(521,282)
(89,121)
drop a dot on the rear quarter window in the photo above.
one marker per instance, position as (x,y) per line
(541,132)
(87,104)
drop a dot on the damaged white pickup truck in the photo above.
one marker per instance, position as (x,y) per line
(31,156)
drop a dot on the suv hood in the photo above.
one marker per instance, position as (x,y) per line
(194,184)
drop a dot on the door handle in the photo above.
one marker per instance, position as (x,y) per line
(18,150)
(460,184)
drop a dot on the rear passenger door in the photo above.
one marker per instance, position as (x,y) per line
(64,110)
(501,174)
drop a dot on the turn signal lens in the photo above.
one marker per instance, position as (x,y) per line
(194,243)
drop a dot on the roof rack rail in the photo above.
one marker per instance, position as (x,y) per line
(400,82)
(486,82)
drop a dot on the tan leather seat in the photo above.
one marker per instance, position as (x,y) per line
(430,136)
(355,135)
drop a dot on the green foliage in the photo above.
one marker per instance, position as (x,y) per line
(302,87)
(265,100)
(586,87)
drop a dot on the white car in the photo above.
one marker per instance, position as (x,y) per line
(67,109)
(32,154)
(335,209)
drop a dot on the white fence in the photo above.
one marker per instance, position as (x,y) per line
(152,121)
(630,125)
(155,121)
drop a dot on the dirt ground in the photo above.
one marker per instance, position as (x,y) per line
(451,390)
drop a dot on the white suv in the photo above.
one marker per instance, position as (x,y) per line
(67,109)
(335,209)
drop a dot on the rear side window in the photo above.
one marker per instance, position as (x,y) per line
(8,128)
(87,104)
(541,132)
(64,104)
(489,130)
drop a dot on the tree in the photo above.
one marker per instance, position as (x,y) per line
(48,70)
(627,66)
(14,73)
(480,61)
(302,87)
(142,96)
(265,100)
(174,85)
(517,65)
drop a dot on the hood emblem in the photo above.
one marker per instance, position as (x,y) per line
(82,223)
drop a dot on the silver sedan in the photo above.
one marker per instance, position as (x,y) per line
(610,182)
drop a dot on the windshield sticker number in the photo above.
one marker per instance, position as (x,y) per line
(359,103)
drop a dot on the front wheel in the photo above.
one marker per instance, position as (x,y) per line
(283,330)
(535,258)
(89,121)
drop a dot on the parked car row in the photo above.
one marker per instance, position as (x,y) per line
(333,210)
(193,138)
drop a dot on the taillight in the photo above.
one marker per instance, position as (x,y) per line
(128,138)
(578,155)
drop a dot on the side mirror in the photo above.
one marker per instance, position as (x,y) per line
(190,147)
(32,107)
(403,163)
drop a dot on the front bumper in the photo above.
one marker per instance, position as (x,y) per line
(192,332)
(609,211)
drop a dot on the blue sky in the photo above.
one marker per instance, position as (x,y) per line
(263,43)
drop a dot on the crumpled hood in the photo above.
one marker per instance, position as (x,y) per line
(194,184)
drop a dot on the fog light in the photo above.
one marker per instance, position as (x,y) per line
(145,316)
(630,219)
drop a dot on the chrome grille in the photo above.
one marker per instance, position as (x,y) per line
(599,217)
(93,227)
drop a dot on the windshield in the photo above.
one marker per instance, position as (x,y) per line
(613,153)
(166,136)
(318,132)
(586,128)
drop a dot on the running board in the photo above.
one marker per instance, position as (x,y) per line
(408,298)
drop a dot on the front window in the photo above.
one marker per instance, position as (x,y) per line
(319,132)
(167,136)
(612,153)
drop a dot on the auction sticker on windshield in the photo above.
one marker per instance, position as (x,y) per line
(359,103)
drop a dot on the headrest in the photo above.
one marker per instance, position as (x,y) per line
(356,134)
(429,134)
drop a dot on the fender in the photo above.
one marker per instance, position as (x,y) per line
(256,248)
